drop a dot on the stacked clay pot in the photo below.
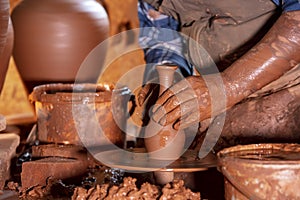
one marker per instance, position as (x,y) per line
(54,37)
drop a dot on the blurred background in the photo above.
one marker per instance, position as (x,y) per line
(14,104)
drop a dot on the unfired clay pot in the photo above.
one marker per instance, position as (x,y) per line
(6,39)
(53,37)
(164,143)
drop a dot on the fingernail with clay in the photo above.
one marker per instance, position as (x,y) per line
(155,107)
(176,125)
(163,121)
(157,115)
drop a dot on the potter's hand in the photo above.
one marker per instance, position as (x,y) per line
(145,93)
(274,55)
(146,97)
(184,103)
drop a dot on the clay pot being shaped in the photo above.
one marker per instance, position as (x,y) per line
(164,143)
(53,37)
(6,39)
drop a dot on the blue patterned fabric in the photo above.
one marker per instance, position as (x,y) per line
(161,42)
(288,5)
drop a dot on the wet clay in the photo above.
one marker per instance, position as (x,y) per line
(76,114)
(261,171)
(129,190)
(164,142)
(274,118)
(275,54)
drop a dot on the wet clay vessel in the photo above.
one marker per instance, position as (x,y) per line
(6,39)
(261,171)
(53,37)
(164,143)
(81,114)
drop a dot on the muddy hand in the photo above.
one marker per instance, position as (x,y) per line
(184,103)
(189,100)
(145,92)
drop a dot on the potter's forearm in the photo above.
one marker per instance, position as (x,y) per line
(274,55)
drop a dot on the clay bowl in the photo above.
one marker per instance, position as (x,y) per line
(261,171)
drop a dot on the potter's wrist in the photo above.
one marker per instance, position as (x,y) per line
(232,90)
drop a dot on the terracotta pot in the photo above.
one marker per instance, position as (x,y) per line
(261,171)
(6,39)
(81,113)
(164,143)
(53,37)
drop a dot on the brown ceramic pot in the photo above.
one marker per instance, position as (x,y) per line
(53,37)
(80,113)
(164,143)
(261,171)
(6,39)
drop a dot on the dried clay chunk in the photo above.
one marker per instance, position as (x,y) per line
(37,172)
(8,145)
(60,150)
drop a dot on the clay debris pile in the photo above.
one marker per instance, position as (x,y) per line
(55,189)
(128,190)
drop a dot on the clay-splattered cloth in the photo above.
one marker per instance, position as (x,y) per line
(161,41)
(224,30)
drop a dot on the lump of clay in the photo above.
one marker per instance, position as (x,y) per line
(129,190)
(37,172)
(8,145)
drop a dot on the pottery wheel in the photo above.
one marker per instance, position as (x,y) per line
(137,160)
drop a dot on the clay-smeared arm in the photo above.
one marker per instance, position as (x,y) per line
(274,55)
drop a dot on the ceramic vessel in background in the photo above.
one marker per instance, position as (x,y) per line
(6,39)
(261,171)
(53,37)
(80,113)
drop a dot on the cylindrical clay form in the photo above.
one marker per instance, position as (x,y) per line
(164,143)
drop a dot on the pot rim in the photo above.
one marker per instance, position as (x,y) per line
(237,153)
(61,92)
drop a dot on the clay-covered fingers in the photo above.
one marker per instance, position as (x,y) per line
(145,93)
(179,90)
(175,107)
(187,120)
